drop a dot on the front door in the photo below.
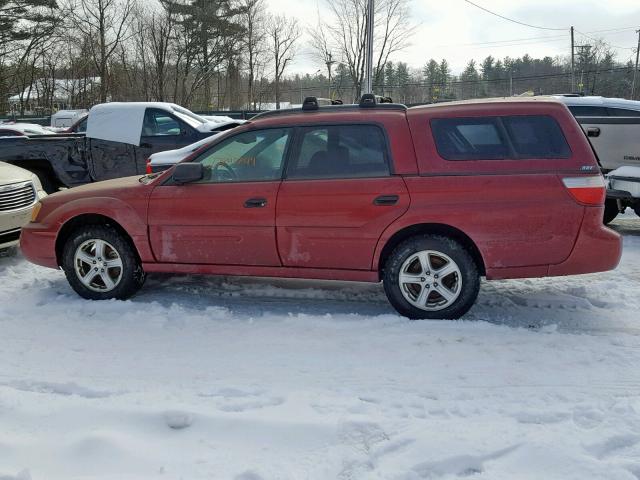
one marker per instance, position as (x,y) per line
(337,198)
(227,218)
(161,131)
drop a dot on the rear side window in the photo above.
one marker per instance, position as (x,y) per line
(340,151)
(499,138)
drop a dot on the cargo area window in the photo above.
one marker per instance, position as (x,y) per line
(340,151)
(499,138)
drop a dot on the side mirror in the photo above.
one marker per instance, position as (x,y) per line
(187,173)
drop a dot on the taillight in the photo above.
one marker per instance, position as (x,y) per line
(149,170)
(590,190)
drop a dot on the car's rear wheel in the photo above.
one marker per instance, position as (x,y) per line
(610,210)
(431,277)
(100,263)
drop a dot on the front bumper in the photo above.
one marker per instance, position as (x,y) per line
(10,224)
(38,245)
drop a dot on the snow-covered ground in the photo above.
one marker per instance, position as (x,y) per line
(250,379)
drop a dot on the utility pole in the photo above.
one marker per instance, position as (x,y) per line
(635,72)
(330,63)
(584,59)
(573,64)
(369,59)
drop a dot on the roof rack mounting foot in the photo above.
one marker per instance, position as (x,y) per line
(310,103)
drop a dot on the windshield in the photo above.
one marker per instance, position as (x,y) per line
(188,117)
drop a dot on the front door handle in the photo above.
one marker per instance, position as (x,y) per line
(386,200)
(146,145)
(255,203)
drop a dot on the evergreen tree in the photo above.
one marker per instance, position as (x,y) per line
(213,31)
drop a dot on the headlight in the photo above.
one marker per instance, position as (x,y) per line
(38,186)
(35,211)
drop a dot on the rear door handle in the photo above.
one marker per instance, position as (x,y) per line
(386,200)
(255,203)
(593,132)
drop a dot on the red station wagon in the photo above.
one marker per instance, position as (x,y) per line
(427,199)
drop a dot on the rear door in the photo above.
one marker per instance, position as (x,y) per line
(337,197)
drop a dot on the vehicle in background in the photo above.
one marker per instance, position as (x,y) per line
(161,161)
(119,139)
(67,118)
(427,199)
(19,192)
(17,129)
(613,128)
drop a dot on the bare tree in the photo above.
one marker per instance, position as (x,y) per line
(283,34)
(255,48)
(322,48)
(105,24)
(347,34)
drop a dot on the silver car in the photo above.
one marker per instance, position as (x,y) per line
(19,191)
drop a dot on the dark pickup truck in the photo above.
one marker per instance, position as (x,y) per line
(118,140)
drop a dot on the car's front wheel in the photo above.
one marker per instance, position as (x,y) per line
(100,263)
(431,277)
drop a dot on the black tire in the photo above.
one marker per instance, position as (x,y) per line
(469,276)
(47,181)
(610,210)
(131,277)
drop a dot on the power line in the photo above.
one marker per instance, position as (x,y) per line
(531,40)
(511,19)
(606,43)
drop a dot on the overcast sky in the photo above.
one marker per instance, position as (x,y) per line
(453,28)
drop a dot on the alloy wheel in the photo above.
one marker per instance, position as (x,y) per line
(430,280)
(98,265)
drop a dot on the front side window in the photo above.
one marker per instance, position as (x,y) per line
(249,156)
(340,151)
(158,123)
(499,138)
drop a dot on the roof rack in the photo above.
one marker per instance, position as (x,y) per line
(314,104)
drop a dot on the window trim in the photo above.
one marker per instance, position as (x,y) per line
(297,145)
(504,131)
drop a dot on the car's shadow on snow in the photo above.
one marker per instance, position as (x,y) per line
(254,296)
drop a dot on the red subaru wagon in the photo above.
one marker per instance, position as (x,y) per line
(426,199)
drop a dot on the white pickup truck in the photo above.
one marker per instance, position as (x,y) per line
(613,128)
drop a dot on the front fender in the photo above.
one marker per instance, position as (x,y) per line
(132,220)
